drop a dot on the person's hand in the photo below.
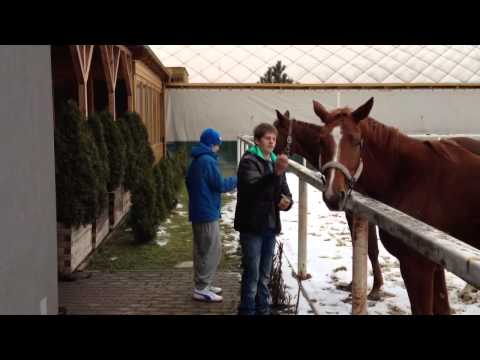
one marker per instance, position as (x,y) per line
(284,203)
(281,164)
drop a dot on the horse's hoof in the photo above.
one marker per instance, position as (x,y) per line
(375,295)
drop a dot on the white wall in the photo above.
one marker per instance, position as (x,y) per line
(236,111)
(28,244)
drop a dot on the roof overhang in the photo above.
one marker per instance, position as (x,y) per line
(148,57)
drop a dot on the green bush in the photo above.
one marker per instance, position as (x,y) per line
(75,164)
(100,161)
(167,169)
(131,168)
(162,212)
(143,217)
(148,208)
(153,188)
(116,151)
(139,134)
(181,159)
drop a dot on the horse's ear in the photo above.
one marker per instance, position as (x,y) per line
(321,112)
(363,111)
(282,118)
(287,114)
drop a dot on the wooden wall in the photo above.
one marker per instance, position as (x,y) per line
(107,77)
(149,103)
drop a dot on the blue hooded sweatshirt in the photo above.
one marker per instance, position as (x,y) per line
(205,185)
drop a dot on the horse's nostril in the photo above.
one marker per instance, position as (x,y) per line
(342,194)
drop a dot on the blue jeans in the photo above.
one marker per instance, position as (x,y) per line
(257,257)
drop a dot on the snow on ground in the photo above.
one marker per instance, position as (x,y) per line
(230,243)
(162,236)
(329,261)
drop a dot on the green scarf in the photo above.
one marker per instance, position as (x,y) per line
(257,151)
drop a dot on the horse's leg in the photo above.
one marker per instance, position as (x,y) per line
(418,274)
(349,217)
(373,256)
(441,305)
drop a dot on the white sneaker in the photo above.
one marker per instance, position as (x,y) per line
(215,289)
(206,295)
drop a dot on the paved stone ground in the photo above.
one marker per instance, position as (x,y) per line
(166,292)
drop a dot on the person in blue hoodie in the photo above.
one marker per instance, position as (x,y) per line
(205,185)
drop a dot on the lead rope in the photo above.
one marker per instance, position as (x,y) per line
(289,138)
(287,152)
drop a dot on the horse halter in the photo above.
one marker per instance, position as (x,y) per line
(289,138)
(352,179)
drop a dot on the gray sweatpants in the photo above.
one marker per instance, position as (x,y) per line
(207,250)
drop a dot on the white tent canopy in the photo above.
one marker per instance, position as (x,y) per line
(327,64)
(236,111)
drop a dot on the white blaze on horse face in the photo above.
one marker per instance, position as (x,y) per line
(337,138)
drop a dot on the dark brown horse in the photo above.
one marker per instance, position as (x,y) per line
(433,181)
(306,143)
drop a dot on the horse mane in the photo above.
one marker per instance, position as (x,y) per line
(383,135)
(442,148)
(387,137)
(308,127)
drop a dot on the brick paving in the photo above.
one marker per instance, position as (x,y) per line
(166,292)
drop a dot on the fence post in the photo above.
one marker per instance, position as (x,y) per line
(360,263)
(302,229)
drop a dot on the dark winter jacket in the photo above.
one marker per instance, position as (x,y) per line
(259,192)
(205,185)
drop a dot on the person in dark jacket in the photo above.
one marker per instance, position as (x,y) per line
(205,185)
(262,193)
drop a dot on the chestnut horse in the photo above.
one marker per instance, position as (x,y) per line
(306,143)
(433,181)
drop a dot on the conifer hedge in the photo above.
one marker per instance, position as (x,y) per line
(116,150)
(98,155)
(101,167)
(131,173)
(76,163)
(150,206)
(143,214)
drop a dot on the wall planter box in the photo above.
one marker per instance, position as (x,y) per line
(100,229)
(127,203)
(74,245)
(115,202)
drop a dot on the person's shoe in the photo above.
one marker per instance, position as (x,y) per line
(215,289)
(206,295)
